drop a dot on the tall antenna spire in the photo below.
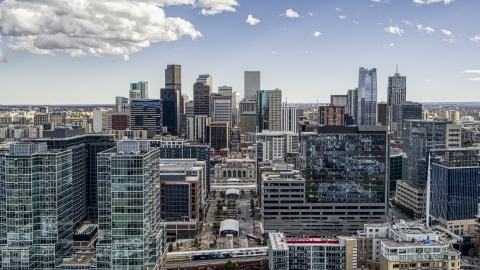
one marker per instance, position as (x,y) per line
(397,69)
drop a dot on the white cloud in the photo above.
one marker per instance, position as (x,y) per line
(312,13)
(427,2)
(251,20)
(391,44)
(338,9)
(394,30)
(342,17)
(99,28)
(409,23)
(212,7)
(3,57)
(290,13)
(355,22)
(446,32)
(427,29)
(475,38)
(316,34)
(450,40)
(306,51)
(273,52)
(474,79)
(471,71)
(427,80)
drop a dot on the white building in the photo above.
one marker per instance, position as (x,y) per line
(289,118)
(275,144)
(221,110)
(197,127)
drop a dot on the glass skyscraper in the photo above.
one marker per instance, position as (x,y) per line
(36,226)
(251,84)
(367,97)
(142,87)
(397,92)
(269,110)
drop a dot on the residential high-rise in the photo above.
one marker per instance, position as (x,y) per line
(396,93)
(367,97)
(171,105)
(455,188)
(346,167)
(251,84)
(36,189)
(382,112)
(272,145)
(221,109)
(146,114)
(248,122)
(131,234)
(331,115)
(197,128)
(269,110)
(84,165)
(289,118)
(121,105)
(352,104)
(41,118)
(404,110)
(142,87)
(201,95)
(219,135)
(173,80)
(339,100)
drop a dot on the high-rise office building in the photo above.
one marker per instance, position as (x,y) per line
(269,110)
(142,87)
(130,235)
(247,106)
(36,189)
(121,105)
(382,112)
(134,94)
(146,114)
(171,105)
(339,100)
(396,93)
(41,118)
(248,122)
(289,118)
(272,145)
(331,115)
(251,84)
(219,135)
(367,97)
(404,110)
(173,80)
(228,91)
(352,104)
(201,95)
(84,165)
(59,117)
(346,167)
(455,187)
(221,110)
(197,128)
(189,109)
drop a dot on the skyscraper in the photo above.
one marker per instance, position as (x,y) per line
(251,84)
(405,110)
(367,97)
(171,105)
(289,118)
(36,227)
(146,114)
(201,94)
(269,110)
(396,93)
(121,105)
(173,80)
(142,87)
(382,112)
(130,235)
(352,104)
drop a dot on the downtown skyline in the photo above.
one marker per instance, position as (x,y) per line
(309,50)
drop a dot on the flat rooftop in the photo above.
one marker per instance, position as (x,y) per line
(424,243)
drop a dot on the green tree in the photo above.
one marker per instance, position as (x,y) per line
(242,192)
(230,266)
(264,242)
(177,246)
(252,206)
(214,193)
(170,247)
(252,192)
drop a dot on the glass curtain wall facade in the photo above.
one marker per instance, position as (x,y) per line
(455,183)
(36,228)
(269,110)
(129,213)
(367,97)
(346,168)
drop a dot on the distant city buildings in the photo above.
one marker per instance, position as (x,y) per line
(146,114)
(331,115)
(251,84)
(142,87)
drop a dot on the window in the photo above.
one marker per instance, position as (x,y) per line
(395,266)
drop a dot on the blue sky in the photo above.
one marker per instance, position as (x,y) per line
(436,44)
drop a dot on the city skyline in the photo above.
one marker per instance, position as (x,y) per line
(302,49)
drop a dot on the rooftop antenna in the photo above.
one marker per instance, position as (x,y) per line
(397,69)
(285,101)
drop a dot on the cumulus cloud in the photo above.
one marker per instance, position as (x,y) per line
(409,23)
(312,13)
(355,22)
(3,57)
(449,40)
(427,29)
(98,28)
(251,20)
(427,80)
(427,2)
(212,7)
(475,38)
(391,44)
(394,30)
(273,52)
(474,79)
(342,17)
(471,71)
(338,9)
(316,34)
(290,13)
(446,32)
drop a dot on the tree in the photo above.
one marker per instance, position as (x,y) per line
(252,192)
(214,193)
(242,192)
(170,247)
(178,246)
(252,206)
(264,242)
(230,266)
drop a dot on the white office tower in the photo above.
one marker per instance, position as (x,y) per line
(134,94)
(251,84)
(197,128)
(221,110)
(289,118)
(130,235)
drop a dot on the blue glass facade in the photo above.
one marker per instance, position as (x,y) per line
(367,97)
